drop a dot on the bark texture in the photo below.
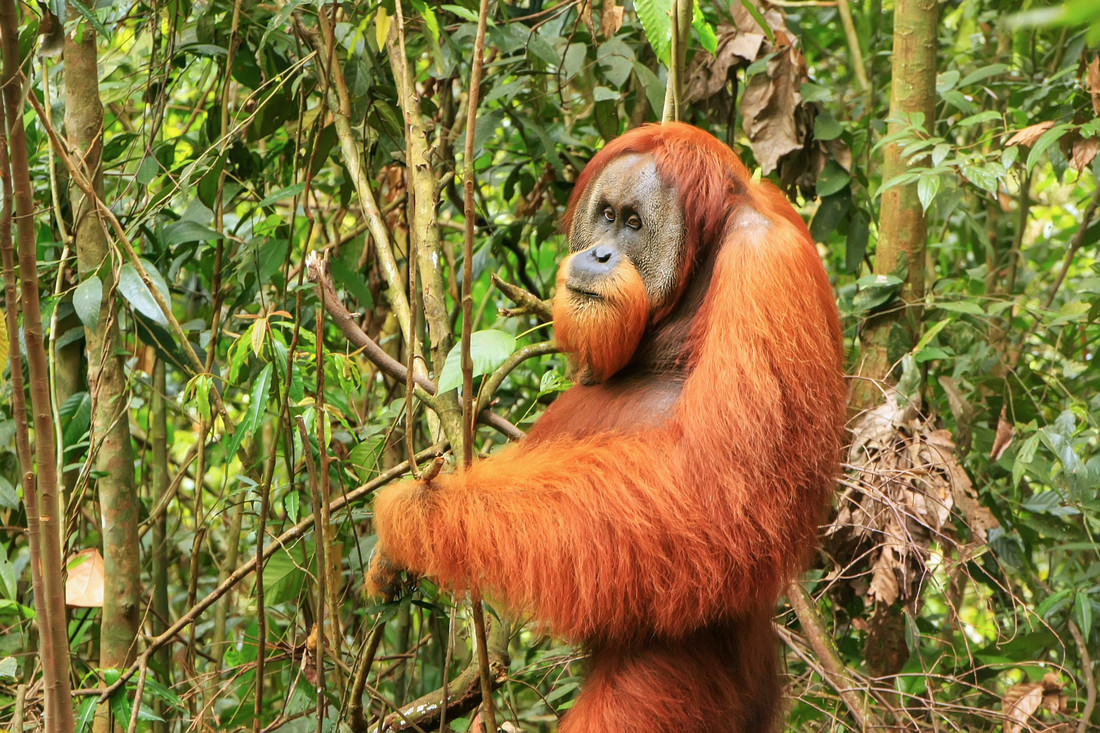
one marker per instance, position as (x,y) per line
(903,226)
(110,431)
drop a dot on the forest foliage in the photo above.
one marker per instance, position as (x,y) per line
(254,153)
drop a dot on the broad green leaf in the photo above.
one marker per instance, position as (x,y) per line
(754,11)
(657,24)
(929,335)
(927,188)
(826,127)
(87,299)
(291,503)
(833,179)
(979,118)
(134,290)
(283,194)
(283,574)
(1048,138)
(982,176)
(939,153)
(875,291)
(859,232)
(185,230)
(983,73)
(8,668)
(488,350)
(1024,458)
(708,39)
(1082,610)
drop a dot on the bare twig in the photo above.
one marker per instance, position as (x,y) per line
(296,532)
(468,406)
(316,272)
(833,668)
(1086,672)
(527,302)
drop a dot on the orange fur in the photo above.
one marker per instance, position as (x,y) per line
(601,335)
(656,516)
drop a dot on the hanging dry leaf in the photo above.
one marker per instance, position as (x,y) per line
(1024,700)
(586,16)
(904,486)
(84,584)
(1084,150)
(1005,431)
(769,105)
(708,75)
(1029,134)
(611,18)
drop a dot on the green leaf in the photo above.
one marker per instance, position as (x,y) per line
(827,127)
(946,81)
(708,39)
(962,306)
(983,73)
(87,299)
(488,350)
(86,713)
(833,179)
(939,154)
(927,187)
(353,282)
(982,176)
(859,231)
(654,89)
(134,290)
(929,335)
(291,503)
(179,232)
(875,291)
(255,413)
(657,24)
(283,193)
(1082,609)
(1048,138)
(979,118)
(1024,458)
(283,574)
(89,15)
(754,11)
(464,13)
(8,668)
(1053,603)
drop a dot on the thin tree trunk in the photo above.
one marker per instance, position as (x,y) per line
(40,493)
(158,486)
(903,226)
(110,429)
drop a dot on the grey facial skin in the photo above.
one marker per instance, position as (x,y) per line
(627,210)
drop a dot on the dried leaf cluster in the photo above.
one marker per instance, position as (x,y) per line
(778,121)
(905,485)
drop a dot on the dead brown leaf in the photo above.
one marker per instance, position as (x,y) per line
(1029,134)
(1092,82)
(586,17)
(708,75)
(769,105)
(1003,439)
(84,584)
(905,484)
(1084,150)
(1024,700)
(611,18)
